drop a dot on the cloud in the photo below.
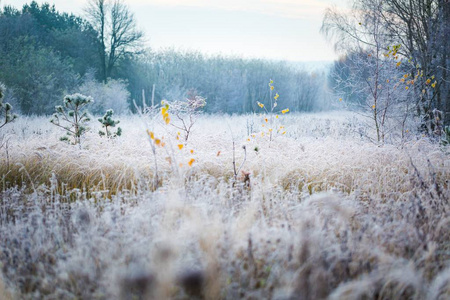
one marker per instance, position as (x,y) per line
(297,9)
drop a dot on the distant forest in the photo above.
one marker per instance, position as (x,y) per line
(45,54)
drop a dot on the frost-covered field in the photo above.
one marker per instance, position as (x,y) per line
(325,214)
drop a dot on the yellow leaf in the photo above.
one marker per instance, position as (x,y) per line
(399,63)
(151,134)
(285,111)
(271,88)
(265,119)
(157,142)
(180,146)
(428,81)
(406,87)
(192,151)
(260,105)
(276,96)
(191,162)
(373,106)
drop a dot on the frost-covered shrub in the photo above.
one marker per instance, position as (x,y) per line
(6,115)
(111,95)
(74,118)
(185,112)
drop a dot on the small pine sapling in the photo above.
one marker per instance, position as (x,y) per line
(71,116)
(6,114)
(108,122)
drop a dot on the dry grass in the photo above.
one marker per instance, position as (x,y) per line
(328,215)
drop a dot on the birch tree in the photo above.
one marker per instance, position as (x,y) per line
(421,27)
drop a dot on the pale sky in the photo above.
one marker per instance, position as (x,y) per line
(272,29)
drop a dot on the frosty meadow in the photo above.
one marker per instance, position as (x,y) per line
(328,214)
(137,162)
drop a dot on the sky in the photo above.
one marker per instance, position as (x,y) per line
(271,29)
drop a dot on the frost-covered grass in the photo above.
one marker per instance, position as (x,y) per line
(327,213)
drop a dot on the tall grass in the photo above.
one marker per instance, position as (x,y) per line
(328,214)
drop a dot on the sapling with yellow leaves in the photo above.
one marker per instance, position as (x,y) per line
(271,116)
(166,144)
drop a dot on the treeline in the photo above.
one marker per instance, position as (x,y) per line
(230,85)
(45,54)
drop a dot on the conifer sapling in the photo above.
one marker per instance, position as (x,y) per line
(108,122)
(72,116)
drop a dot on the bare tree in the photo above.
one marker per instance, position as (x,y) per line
(117,31)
